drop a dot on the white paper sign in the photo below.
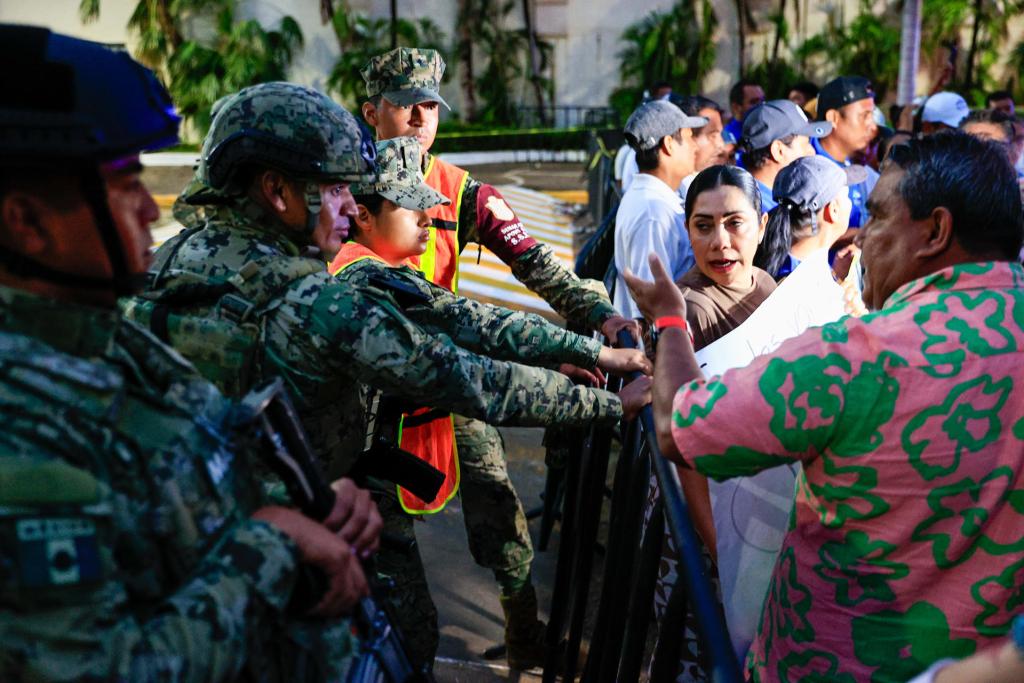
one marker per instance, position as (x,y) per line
(751,514)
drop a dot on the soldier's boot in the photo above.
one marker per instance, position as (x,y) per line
(524,632)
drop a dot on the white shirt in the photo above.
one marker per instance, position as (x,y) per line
(649,219)
(626,169)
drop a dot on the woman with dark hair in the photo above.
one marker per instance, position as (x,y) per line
(813,212)
(725,224)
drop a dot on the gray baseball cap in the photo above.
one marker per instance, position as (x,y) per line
(654,120)
(812,182)
(776,119)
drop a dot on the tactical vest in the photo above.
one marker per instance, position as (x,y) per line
(165,446)
(427,433)
(440,262)
(217,323)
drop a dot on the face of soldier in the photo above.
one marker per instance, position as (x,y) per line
(394,233)
(392,121)
(56,226)
(337,211)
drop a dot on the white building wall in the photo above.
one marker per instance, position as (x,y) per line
(584,33)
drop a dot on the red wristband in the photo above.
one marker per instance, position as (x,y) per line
(670,321)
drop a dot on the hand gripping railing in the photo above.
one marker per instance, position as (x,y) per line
(710,623)
(631,563)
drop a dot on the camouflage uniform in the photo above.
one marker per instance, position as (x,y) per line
(496,525)
(331,338)
(126,548)
(123,517)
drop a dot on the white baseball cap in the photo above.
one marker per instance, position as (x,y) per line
(945,107)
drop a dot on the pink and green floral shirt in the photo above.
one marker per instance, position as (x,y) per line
(907,539)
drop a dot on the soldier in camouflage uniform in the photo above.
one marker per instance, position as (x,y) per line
(402,87)
(269,150)
(132,547)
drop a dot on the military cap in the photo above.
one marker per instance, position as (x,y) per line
(405,76)
(399,176)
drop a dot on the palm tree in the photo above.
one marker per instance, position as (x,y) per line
(360,38)
(675,46)
(199,72)
(910,48)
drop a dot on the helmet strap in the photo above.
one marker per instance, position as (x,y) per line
(314,205)
(121,283)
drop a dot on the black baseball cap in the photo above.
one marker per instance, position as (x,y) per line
(842,91)
(776,119)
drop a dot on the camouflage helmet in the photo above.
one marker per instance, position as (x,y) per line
(288,127)
(399,176)
(405,76)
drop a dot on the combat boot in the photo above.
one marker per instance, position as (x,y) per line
(524,632)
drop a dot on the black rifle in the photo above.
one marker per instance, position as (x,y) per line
(289,454)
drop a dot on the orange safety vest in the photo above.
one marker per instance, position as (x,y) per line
(426,433)
(440,262)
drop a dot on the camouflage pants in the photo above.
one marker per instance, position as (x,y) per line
(409,596)
(499,538)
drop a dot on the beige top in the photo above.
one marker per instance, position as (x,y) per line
(713,310)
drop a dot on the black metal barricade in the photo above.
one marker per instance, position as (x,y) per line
(631,565)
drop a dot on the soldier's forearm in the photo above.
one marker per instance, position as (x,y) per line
(582,302)
(509,335)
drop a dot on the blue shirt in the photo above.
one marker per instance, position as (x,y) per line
(767,203)
(859,192)
(733,131)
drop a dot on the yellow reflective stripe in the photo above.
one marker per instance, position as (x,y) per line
(428,261)
(458,474)
(458,214)
(430,167)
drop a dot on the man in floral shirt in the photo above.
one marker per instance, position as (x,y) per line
(906,544)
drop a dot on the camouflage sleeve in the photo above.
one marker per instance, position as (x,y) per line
(383,348)
(503,334)
(583,302)
(202,632)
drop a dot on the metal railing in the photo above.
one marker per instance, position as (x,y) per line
(631,565)
(566,117)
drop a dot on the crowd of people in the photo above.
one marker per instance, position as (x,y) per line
(815,288)
(146,535)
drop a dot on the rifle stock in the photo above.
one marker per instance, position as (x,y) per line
(290,456)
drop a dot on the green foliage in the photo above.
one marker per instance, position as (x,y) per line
(676,46)
(776,74)
(242,54)
(199,72)
(361,37)
(868,46)
(942,24)
(507,53)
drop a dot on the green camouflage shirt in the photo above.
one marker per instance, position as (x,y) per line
(390,329)
(125,549)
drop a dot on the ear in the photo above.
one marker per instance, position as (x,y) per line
(274,190)
(370,114)
(938,233)
(777,151)
(764,226)
(832,116)
(21,215)
(668,145)
(831,210)
(364,219)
